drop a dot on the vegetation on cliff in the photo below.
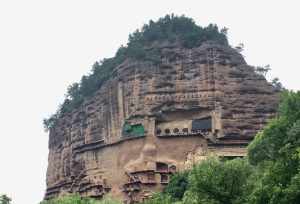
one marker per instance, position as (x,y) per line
(142,45)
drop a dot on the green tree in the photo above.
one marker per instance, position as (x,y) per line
(213,181)
(178,185)
(76,199)
(160,198)
(276,152)
(263,71)
(4,199)
(277,84)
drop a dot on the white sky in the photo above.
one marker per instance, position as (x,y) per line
(45,45)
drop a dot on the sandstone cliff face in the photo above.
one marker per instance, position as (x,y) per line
(149,121)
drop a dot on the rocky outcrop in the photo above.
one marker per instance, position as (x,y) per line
(151,120)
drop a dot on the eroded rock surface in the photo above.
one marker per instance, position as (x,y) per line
(149,121)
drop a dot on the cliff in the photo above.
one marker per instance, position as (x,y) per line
(174,95)
(150,120)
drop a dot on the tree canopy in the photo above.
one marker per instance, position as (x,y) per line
(276,151)
(4,199)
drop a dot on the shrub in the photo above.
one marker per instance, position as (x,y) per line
(213,181)
(276,151)
(160,198)
(178,185)
(76,199)
(210,182)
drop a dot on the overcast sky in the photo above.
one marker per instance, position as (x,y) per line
(45,45)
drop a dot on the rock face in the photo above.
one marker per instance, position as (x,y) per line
(149,121)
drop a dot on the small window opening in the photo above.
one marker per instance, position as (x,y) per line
(164,178)
(161,167)
(176,130)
